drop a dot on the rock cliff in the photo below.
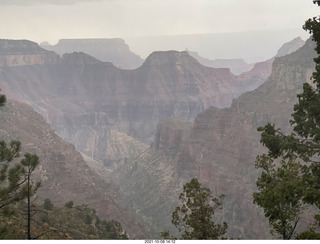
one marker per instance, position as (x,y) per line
(79,89)
(106,112)
(63,173)
(236,66)
(114,50)
(220,151)
(23,52)
(290,47)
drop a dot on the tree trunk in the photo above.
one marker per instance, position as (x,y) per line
(28,209)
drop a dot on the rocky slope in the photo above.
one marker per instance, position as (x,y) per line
(290,47)
(219,150)
(89,102)
(63,173)
(257,75)
(252,75)
(262,70)
(115,50)
(105,111)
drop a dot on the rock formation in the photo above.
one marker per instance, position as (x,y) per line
(110,115)
(219,150)
(236,66)
(80,90)
(114,50)
(23,52)
(290,47)
(63,173)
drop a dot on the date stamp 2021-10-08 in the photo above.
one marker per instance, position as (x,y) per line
(159,241)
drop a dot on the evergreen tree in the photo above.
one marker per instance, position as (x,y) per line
(30,162)
(302,145)
(11,175)
(47,204)
(194,217)
(15,177)
(3,99)
(281,193)
(69,204)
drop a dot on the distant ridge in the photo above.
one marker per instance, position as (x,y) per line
(249,46)
(239,66)
(290,47)
(236,66)
(114,50)
(219,149)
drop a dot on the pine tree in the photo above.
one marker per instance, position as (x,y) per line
(11,174)
(15,177)
(30,162)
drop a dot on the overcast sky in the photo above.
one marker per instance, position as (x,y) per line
(51,20)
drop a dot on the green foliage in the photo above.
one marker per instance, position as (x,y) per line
(30,162)
(12,175)
(194,218)
(284,190)
(3,99)
(60,223)
(311,234)
(16,183)
(281,193)
(69,204)
(47,204)
(15,180)
(18,211)
(81,222)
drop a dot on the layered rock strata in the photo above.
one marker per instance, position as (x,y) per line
(220,150)
(63,173)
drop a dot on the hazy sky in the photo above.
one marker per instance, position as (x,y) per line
(51,20)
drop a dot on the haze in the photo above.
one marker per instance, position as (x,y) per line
(51,20)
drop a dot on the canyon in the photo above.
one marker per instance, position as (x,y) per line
(63,173)
(219,149)
(89,102)
(143,133)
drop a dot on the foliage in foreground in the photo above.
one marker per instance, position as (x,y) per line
(194,217)
(50,222)
(293,181)
(20,218)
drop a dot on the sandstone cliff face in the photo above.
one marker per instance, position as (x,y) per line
(151,183)
(220,151)
(104,111)
(170,134)
(115,50)
(22,52)
(230,142)
(131,101)
(251,75)
(256,76)
(63,173)
(262,70)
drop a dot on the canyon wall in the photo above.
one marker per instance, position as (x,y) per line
(111,116)
(87,100)
(220,150)
(63,173)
